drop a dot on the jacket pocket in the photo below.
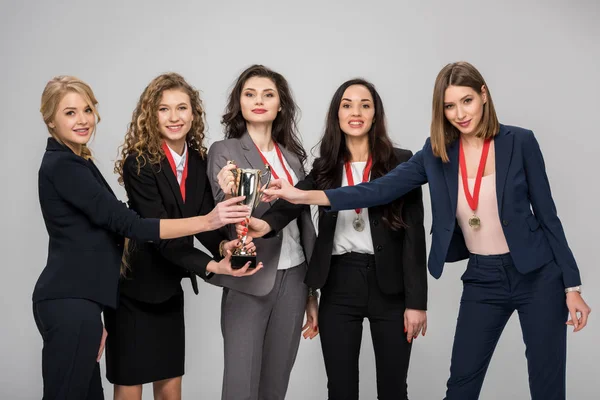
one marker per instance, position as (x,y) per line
(533,222)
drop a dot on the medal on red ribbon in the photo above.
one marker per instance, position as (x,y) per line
(473,200)
(359,223)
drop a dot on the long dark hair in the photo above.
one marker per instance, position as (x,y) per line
(333,151)
(285,129)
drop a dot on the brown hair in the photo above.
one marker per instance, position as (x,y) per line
(54,92)
(442,131)
(143,137)
(285,131)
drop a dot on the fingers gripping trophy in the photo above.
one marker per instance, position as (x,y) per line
(248,183)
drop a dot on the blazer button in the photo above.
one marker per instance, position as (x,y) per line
(379,247)
(334,216)
(375,222)
(505,222)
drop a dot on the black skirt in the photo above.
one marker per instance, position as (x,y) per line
(146,342)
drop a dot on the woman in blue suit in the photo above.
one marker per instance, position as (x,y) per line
(484,179)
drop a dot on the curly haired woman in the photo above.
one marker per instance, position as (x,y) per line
(163,168)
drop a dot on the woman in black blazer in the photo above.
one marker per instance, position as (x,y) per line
(86,225)
(368,263)
(163,169)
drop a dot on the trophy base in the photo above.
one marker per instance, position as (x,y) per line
(238,261)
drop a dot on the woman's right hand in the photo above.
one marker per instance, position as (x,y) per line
(227,181)
(223,267)
(281,189)
(227,212)
(256,228)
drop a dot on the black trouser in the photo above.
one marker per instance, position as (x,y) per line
(350,295)
(72,331)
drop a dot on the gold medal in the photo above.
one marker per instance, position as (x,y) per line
(473,201)
(474,222)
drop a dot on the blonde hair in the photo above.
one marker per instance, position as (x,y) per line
(442,131)
(143,137)
(54,92)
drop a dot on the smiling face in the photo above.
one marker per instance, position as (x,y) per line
(260,101)
(356,111)
(175,116)
(74,121)
(463,107)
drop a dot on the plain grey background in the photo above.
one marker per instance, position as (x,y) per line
(540,60)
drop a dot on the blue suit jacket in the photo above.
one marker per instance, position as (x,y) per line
(527,212)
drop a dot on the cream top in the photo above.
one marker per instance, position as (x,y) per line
(489,238)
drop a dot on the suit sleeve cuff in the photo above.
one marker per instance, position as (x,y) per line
(272,221)
(151,227)
(416,304)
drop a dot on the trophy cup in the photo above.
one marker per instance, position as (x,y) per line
(249,184)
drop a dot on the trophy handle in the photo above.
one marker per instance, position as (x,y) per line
(236,175)
(268,171)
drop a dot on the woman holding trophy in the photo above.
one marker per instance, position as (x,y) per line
(369,262)
(163,169)
(261,315)
(86,225)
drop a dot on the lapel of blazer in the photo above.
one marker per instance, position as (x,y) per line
(168,175)
(294,162)
(191,183)
(251,152)
(451,175)
(503,149)
(253,158)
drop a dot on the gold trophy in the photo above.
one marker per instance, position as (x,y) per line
(248,183)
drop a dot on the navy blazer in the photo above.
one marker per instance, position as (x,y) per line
(534,238)
(86,224)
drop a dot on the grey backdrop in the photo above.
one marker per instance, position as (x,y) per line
(540,59)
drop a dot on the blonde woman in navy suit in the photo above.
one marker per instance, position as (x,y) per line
(491,204)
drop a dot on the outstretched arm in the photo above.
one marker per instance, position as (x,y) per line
(399,181)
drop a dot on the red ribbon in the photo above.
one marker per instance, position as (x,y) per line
(365,178)
(289,177)
(474,199)
(174,168)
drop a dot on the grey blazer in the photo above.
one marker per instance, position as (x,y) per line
(245,154)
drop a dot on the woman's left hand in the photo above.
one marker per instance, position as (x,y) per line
(311,327)
(415,322)
(102,343)
(576,304)
(250,247)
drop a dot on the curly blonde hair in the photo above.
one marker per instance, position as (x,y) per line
(143,138)
(53,93)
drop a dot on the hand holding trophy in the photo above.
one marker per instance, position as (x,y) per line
(248,183)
